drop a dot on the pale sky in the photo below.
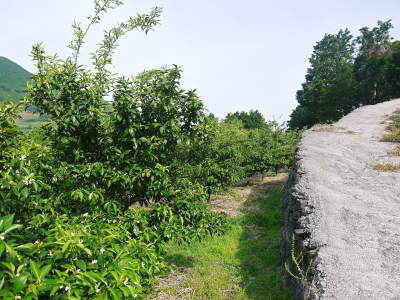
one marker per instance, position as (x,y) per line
(239,55)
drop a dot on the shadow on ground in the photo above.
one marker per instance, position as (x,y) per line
(260,241)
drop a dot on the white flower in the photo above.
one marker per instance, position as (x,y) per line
(50,254)
(61,287)
(2,237)
(102,250)
(94,261)
(78,270)
(67,288)
(126,281)
(37,242)
(23,157)
(27,180)
(97,290)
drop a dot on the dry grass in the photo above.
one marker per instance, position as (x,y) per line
(393,128)
(232,203)
(394,152)
(331,128)
(386,167)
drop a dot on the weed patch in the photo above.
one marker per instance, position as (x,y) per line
(393,129)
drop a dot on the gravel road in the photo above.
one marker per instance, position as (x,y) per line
(356,215)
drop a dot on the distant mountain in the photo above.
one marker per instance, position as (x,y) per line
(13,80)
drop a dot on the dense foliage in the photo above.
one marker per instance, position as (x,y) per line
(89,198)
(346,73)
(251,120)
(230,153)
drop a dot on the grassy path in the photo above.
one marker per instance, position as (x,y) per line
(243,263)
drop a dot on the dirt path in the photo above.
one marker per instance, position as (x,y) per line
(356,213)
(236,202)
(233,203)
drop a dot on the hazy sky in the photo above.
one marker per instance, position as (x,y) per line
(239,55)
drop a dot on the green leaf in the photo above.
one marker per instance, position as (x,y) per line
(25,193)
(2,247)
(85,249)
(6,221)
(44,271)
(81,265)
(11,250)
(11,228)
(9,266)
(18,285)
(115,294)
(65,246)
(35,270)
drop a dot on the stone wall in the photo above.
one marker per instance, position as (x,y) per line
(344,213)
(296,224)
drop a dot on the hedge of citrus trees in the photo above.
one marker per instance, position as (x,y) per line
(67,226)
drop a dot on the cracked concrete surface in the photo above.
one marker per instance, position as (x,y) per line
(355,209)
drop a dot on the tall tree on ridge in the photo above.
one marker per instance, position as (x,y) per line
(328,91)
(375,48)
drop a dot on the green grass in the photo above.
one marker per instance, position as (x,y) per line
(242,264)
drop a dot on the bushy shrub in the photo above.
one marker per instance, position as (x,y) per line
(230,153)
(65,228)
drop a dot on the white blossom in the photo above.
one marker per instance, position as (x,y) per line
(2,237)
(27,180)
(23,157)
(94,261)
(102,250)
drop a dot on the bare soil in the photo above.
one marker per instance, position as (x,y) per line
(233,202)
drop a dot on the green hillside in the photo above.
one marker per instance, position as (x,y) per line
(13,80)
